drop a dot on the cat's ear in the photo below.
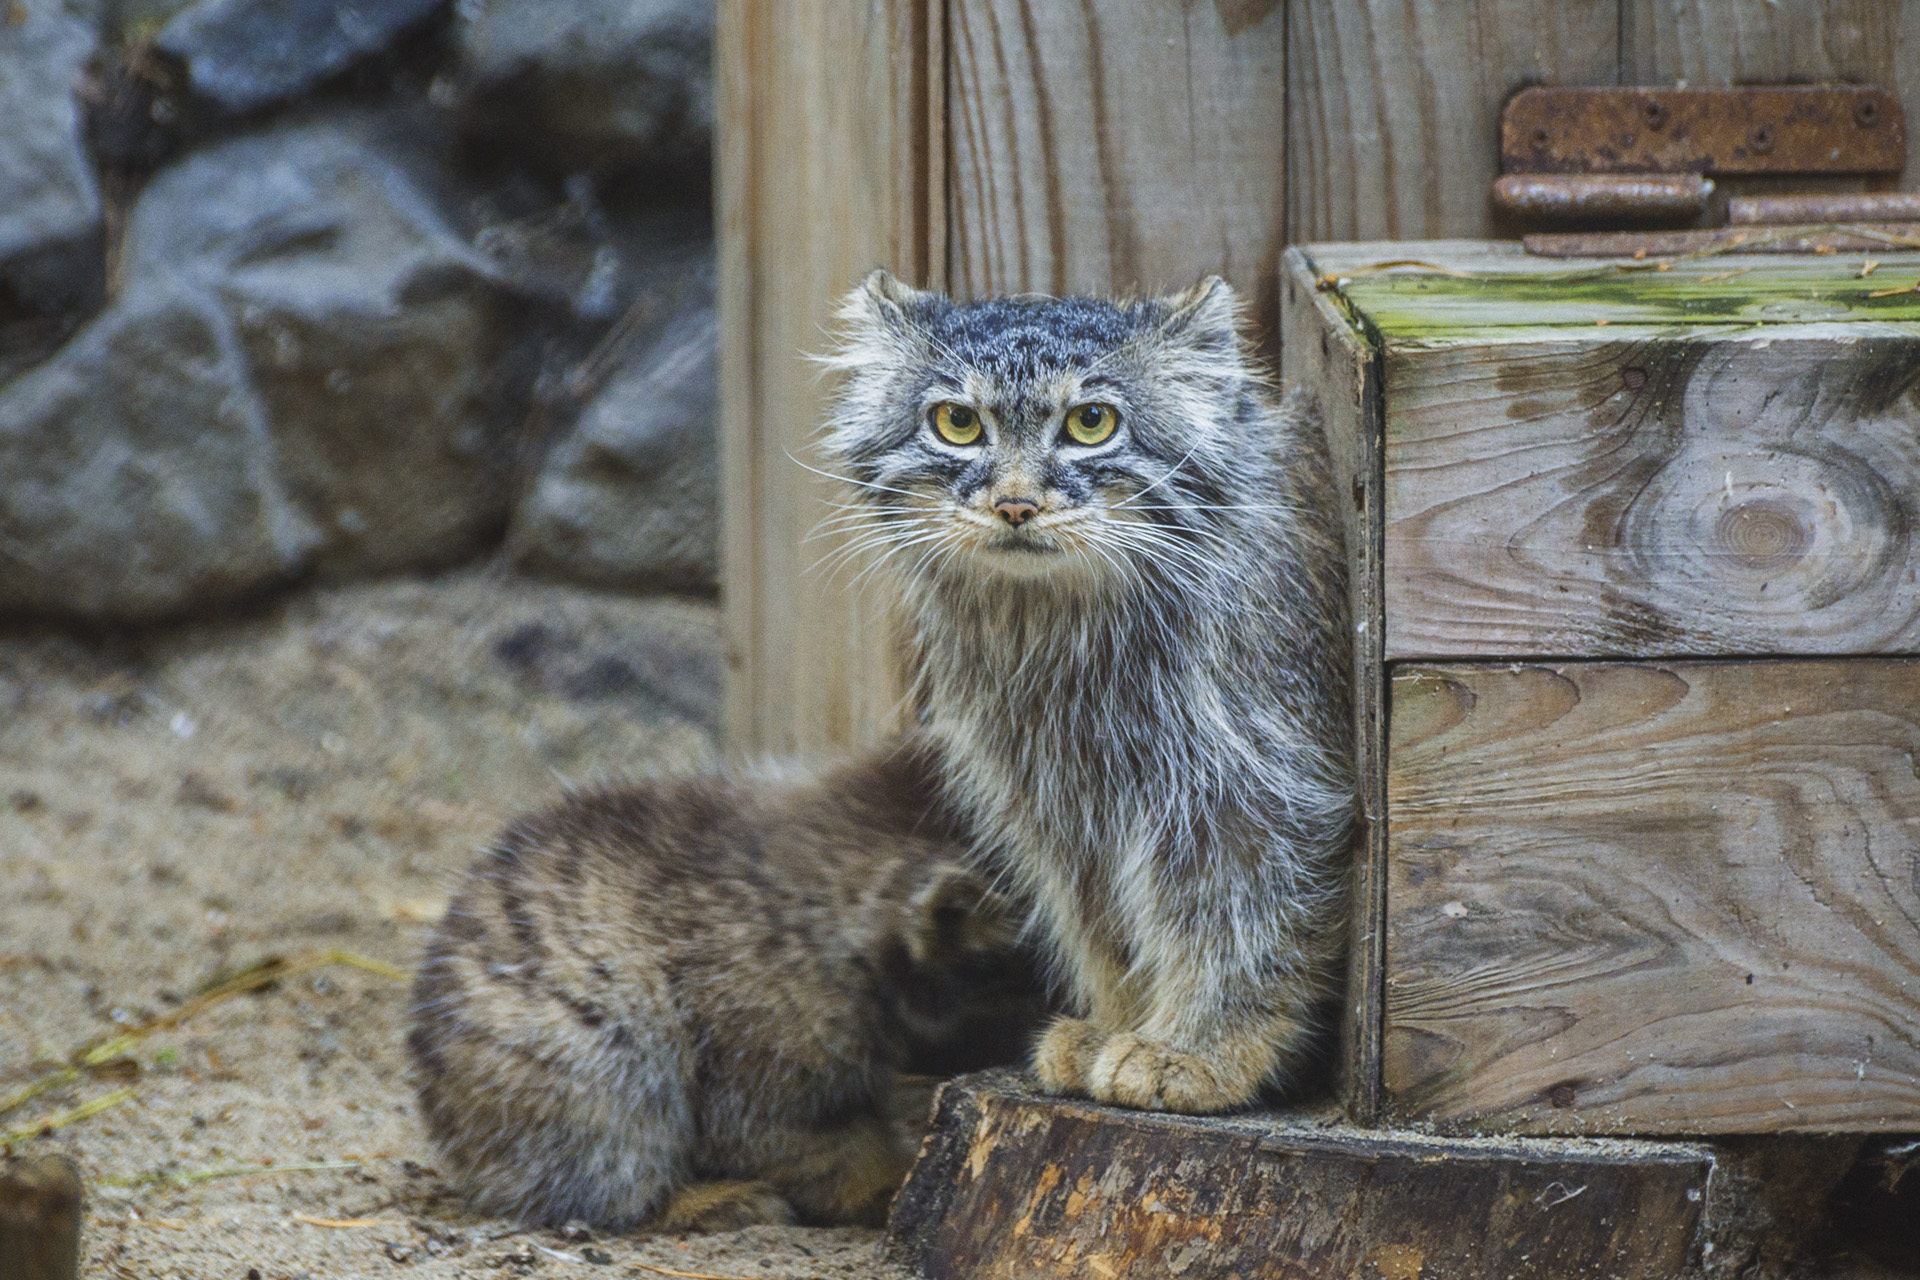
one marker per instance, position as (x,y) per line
(885,303)
(956,913)
(1208,316)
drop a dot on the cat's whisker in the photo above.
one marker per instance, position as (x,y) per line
(863,484)
(885,543)
(1157,483)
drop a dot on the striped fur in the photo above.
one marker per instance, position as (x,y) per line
(1140,696)
(682,1004)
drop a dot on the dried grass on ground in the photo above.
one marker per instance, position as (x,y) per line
(304,784)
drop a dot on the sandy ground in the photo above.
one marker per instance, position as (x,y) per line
(304,781)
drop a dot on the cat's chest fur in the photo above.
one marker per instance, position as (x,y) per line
(1079,739)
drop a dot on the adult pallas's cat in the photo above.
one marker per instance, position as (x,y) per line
(1123,573)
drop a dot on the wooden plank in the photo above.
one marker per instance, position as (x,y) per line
(827,108)
(1420,290)
(1106,146)
(1720,42)
(1330,354)
(1655,898)
(1011,1184)
(1394,106)
(1567,494)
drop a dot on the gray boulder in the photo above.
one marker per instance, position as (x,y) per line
(244,54)
(293,378)
(630,496)
(51,257)
(367,326)
(140,470)
(591,83)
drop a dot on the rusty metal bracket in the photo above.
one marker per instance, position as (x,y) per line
(1752,129)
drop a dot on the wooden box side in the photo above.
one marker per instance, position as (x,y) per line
(1324,350)
(1653,491)
(1655,897)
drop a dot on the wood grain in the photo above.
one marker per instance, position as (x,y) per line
(1014,1185)
(1655,898)
(1565,494)
(1394,106)
(1716,42)
(1334,358)
(1108,146)
(827,108)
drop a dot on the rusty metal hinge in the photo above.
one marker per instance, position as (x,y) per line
(1643,157)
(1752,129)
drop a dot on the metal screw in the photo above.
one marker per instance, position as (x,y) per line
(1656,113)
(1762,139)
(1541,137)
(1867,114)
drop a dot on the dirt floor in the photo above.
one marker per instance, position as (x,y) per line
(295,784)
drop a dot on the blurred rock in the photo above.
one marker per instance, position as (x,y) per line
(51,257)
(629,497)
(294,377)
(600,84)
(367,326)
(244,54)
(140,470)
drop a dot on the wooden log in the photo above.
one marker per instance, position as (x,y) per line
(1655,898)
(1014,1184)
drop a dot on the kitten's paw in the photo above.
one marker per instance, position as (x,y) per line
(1133,1071)
(724,1206)
(1066,1053)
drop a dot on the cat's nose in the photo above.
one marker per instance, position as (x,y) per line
(1016,511)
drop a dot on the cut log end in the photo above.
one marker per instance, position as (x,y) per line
(1012,1183)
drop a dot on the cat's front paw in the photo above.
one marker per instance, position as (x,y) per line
(1065,1055)
(1133,1071)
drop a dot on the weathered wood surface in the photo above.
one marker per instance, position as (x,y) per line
(1394,106)
(1107,146)
(1446,288)
(1655,898)
(1626,493)
(1013,1185)
(40,1209)
(826,113)
(1338,361)
(1721,42)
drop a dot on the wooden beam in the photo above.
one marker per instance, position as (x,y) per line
(1334,357)
(829,166)
(1655,897)
(1011,1184)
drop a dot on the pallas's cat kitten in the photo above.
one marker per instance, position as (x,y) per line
(1124,581)
(682,1004)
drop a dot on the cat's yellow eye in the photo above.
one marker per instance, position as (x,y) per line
(1091,423)
(956,423)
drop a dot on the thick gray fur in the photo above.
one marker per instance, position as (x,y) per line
(1140,695)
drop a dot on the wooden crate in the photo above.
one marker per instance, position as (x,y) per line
(1635,590)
